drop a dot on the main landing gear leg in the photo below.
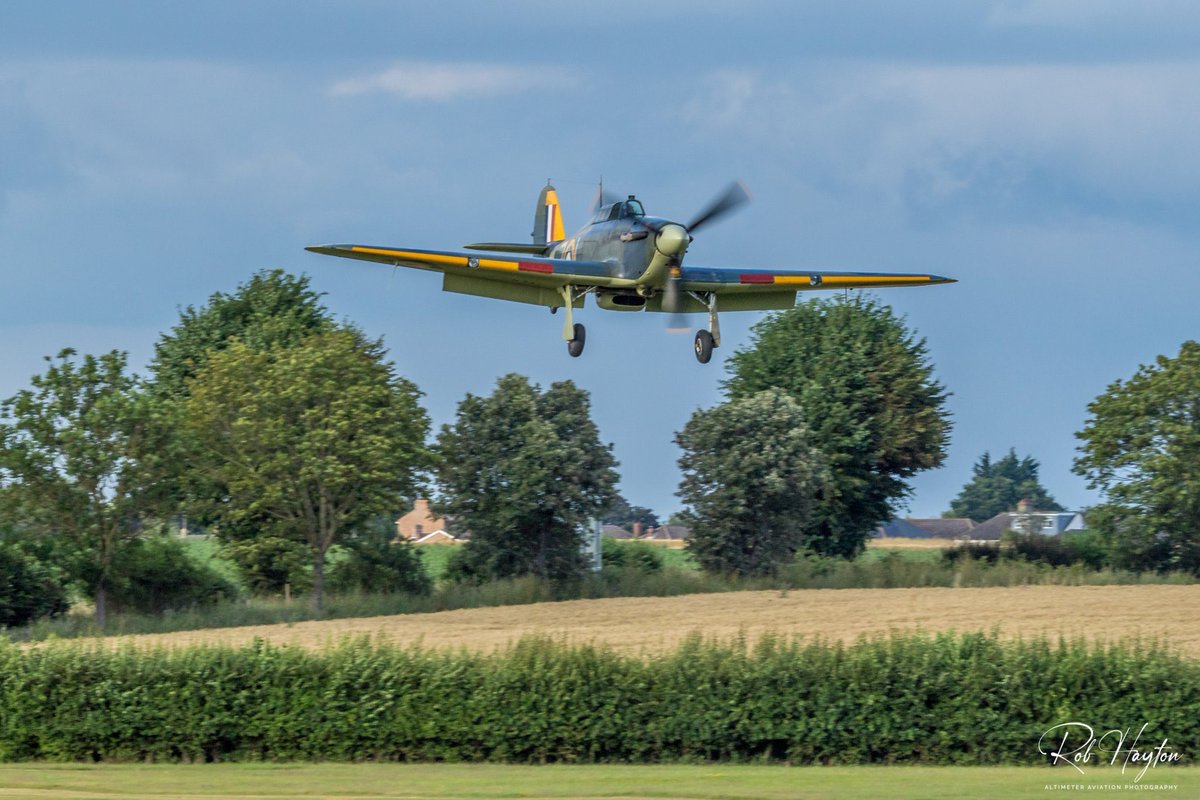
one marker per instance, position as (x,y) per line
(574,334)
(706,341)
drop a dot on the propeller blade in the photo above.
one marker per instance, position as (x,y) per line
(735,195)
(673,304)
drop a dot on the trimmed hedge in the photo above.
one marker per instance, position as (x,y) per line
(949,699)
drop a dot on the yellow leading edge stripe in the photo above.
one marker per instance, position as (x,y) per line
(433,258)
(841,280)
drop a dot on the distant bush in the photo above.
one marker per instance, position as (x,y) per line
(972,551)
(1077,547)
(269,563)
(460,568)
(630,554)
(158,574)
(947,699)
(29,588)
(380,565)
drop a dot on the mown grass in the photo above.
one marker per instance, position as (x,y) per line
(700,782)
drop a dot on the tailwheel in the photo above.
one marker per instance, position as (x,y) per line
(704,346)
(575,346)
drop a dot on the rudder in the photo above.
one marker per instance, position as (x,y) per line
(547,217)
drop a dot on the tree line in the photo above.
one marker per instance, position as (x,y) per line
(286,432)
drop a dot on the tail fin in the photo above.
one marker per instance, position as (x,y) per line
(547,217)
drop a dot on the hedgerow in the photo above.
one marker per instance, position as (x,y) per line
(946,699)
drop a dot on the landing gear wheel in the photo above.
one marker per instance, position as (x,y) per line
(575,346)
(704,346)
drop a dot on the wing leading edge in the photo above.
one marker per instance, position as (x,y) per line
(512,268)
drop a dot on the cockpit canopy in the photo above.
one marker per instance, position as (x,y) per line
(622,210)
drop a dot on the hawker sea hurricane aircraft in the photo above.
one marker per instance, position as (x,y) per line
(628,260)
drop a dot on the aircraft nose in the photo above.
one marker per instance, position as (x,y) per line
(672,239)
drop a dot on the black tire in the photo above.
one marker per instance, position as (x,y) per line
(575,346)
(704,346)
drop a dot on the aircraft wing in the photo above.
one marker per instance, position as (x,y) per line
(770,289)
(535,279)
(736,281)
(536,270)
(505,276)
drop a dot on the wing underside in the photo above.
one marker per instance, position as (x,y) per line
(734,281)
(519,278)
(767,290)
(536,270)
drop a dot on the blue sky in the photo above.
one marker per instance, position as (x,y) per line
(1043,153)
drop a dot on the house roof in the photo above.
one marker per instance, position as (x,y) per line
(992,528)
(670,532)
(937,528)
(435,537)
(615,532)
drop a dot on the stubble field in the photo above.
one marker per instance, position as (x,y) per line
(654,625)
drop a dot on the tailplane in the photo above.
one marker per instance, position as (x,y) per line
(547,217)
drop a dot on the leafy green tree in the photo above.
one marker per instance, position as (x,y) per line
(29,588)
(320,436)
(522,470)
(871,404)
(270,563)
(622,514)
(997,486)
(77,454)
(1141,447)
(271,309)
(751,480)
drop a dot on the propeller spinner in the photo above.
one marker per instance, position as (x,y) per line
(672,240)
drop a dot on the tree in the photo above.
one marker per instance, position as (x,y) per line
(997,486)
(620,513)
(867,394)
(270,561)
(271,309)
(1141,448)
(751,479)
(77,454)
(319,436)
(523,470)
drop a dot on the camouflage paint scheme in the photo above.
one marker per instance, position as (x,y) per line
(623,257)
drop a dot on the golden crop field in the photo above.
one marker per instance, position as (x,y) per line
(654,624)
(901,543)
